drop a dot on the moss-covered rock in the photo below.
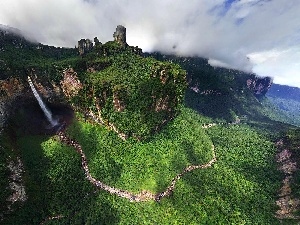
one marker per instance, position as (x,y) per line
(136,95)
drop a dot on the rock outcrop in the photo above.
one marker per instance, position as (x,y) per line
(70,84)
(16,184)
(133,95)
(85,46)
(97,42)
(15,94)
(120,35)
(259,85)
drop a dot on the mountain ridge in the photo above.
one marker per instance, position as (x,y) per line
(284,91)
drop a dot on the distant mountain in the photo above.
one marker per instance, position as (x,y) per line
(11,30)
(284,91)
(286,100)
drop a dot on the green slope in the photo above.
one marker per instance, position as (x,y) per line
(287,110)
(240,188)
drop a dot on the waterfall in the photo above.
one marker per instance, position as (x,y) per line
(46,111)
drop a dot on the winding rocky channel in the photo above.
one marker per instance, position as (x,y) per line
(287,203)
(143,195)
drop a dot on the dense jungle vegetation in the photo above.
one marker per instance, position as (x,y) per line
(241,187)
(134,93)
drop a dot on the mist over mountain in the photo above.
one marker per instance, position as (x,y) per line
(257,36)
(16,32)
(88,133)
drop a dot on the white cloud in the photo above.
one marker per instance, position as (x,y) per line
(284,64)
(227,35)
(217,63)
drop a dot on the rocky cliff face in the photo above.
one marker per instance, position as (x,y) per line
(85,46)
(15,93)
(10,90)
(120,35)
(112,47)
(70,83)
(207,80)
(259,85)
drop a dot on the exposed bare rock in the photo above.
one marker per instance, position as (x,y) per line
(197,89)
(163,77)
(84,46)
(118,104)
(11,87)
(259,85)
(286,202)
(16,183)
(97,42)
(120,35)
(70,84)
(136,50)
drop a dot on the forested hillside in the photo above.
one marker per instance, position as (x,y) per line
(287,102)
(19,54)
(141,139)
(286,92)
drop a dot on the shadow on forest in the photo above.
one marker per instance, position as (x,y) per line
(270,125)
(178,164)
(225,106)
(190,152)
(229,197)
(29,119)
(216,107)
(66,193)
(55,184)
(108,170)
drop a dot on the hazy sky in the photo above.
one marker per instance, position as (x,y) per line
(262,36)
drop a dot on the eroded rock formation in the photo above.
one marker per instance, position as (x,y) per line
(70,84)
(120,35)
(288,204)
(16,186)
(259,85)
(85,46)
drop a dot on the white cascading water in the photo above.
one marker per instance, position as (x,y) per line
(46,111)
